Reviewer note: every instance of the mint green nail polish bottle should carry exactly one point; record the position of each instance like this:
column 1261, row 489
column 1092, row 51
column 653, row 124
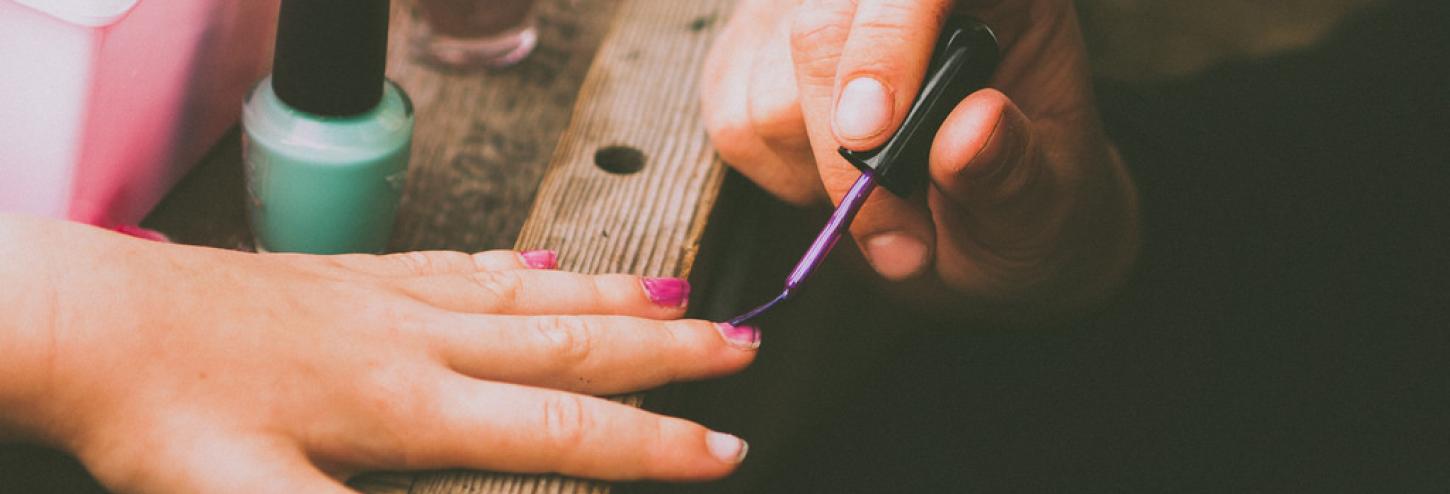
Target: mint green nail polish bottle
column 326, row 137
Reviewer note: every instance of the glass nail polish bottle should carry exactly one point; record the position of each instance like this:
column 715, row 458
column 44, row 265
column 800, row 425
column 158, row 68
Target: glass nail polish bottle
column 326, row 138
column 463, row 34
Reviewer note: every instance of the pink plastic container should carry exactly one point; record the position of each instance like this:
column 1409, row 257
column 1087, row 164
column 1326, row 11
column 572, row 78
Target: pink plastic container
column 104, row 104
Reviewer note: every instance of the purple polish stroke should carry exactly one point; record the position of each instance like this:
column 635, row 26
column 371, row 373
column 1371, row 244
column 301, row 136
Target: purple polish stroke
column 816, row 254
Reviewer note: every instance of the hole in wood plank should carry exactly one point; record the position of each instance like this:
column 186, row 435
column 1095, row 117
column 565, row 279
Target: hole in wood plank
column 619, row 160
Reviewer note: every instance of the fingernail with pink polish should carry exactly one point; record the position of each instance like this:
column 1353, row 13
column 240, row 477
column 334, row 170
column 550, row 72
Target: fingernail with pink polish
column 668, row 292
column 746, row 337
column 540, row 259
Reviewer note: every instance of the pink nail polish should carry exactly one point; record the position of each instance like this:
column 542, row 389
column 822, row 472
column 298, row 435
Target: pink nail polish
column 540, row 259
column 747, row 337
column 138, row 232
column 668, row 292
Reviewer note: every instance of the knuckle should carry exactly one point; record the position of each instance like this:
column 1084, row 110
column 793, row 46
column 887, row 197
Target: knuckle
column 1015, row 179
column 398, row 400
column 677, row 335
column 569, row 340
column 565, row 421
column 729, row 129
column 895, row 18
column 883, row 27
column 811, row 28
column 736, row 143
column 491, row 259
column 778, row 121
column 816, row 38
column 500, row 287
column 611, row 290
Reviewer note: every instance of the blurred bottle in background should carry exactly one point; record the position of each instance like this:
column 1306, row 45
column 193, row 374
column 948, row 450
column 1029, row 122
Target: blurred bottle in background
column 464, row 34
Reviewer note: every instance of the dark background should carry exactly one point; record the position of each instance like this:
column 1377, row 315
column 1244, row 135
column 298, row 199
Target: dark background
column 1284, row 330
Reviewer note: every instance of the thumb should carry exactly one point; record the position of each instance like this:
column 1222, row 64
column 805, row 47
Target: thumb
column 994, row 199
column 987, row 159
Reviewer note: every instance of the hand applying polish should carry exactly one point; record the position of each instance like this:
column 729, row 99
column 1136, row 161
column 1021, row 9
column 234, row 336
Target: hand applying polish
column 965, row 56
column 1022, row 210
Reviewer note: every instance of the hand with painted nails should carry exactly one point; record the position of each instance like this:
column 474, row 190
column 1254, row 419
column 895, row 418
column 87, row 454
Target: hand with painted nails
column 169, row 368
column 1029, row 211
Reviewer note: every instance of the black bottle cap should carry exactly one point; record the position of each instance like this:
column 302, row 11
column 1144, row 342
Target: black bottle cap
column 964, row 60
column 331, row 55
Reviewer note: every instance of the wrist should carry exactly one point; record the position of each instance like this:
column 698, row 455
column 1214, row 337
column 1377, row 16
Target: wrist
column 28, row 306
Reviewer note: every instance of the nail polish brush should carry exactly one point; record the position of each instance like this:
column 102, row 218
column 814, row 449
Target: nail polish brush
column 962, row 62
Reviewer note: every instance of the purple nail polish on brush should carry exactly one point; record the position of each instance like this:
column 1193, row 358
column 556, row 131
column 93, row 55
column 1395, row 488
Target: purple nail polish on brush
column 964, row 59
column 816, row 254
column 667, row 292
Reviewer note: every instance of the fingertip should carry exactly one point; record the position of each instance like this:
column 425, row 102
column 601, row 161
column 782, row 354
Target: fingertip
column 896, row 256
column 697, row 453
column 705, row 350
column 740, row 337
column 967, row 130
column 726, row 448
column 982, row 134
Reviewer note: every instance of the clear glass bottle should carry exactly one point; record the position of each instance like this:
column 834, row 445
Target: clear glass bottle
column 463, row 34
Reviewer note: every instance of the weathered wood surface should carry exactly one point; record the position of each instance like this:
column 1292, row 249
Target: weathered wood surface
column 640, row 94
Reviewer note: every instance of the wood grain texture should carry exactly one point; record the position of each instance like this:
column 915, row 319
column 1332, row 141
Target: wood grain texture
column 483, row 139
column 641, row 93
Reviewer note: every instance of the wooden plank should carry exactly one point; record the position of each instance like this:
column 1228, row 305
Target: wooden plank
column 483, row 139
column 641, row 93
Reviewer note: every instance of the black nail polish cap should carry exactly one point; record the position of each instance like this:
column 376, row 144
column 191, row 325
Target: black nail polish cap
column 331, row 55
column 963, row 62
